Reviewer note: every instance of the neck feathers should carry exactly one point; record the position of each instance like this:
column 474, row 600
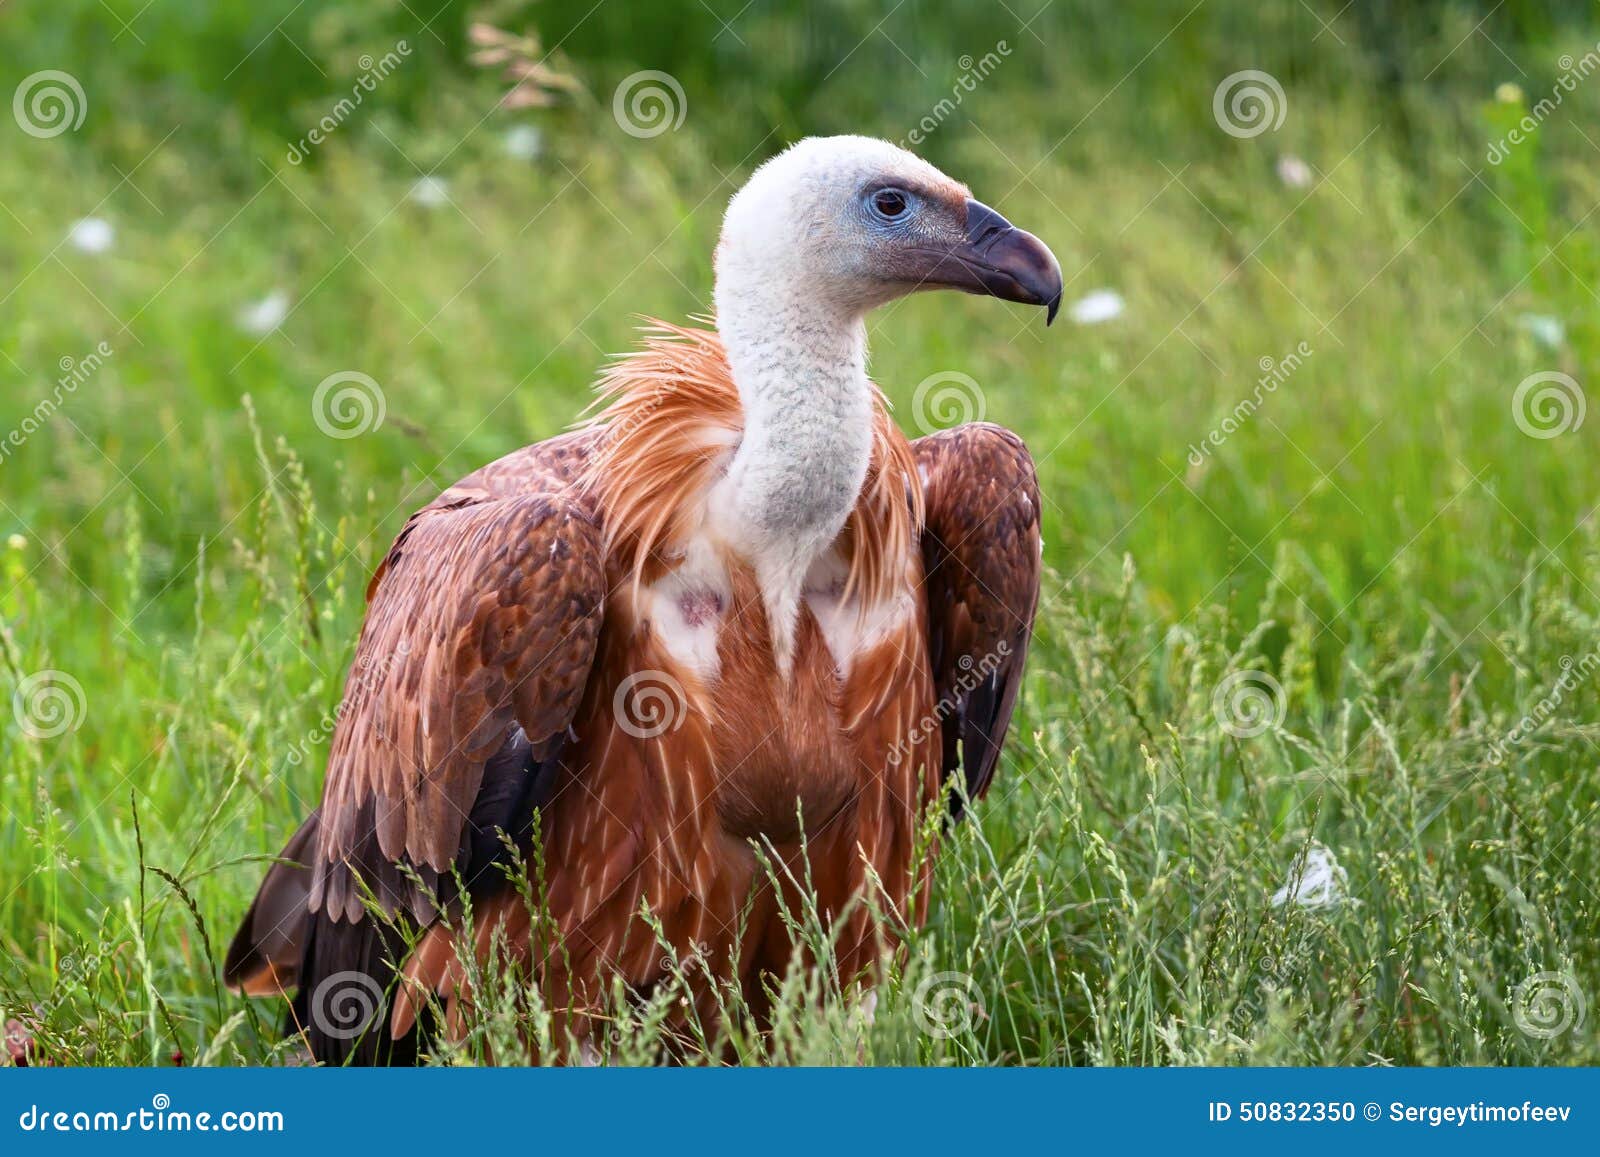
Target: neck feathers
column 774, row 470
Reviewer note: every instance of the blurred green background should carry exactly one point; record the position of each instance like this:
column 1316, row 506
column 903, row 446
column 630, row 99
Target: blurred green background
column 181, row 539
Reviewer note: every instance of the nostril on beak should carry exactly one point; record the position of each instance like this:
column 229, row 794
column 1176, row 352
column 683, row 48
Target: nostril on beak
column 984, row 225
column 1019, row 266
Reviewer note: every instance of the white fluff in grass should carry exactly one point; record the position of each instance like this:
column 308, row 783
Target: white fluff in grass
column 91, row 235
column 430, row 192
column 1322, row 883
column 1101, row 305
column 1294, row 172
column 1546, row 330
column 265, row 315
column 523, row 142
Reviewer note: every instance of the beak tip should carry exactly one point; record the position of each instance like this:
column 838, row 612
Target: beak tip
column 1003, row 261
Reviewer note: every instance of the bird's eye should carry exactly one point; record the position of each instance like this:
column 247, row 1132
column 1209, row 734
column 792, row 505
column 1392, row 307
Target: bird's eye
column 890, row 204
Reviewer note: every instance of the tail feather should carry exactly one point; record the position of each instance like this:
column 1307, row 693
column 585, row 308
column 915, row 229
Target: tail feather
column 344, row 972
column 344, row 975
column 348, row 991
column 264, row 958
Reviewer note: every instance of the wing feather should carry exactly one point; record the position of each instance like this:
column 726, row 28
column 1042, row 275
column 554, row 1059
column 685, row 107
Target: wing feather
column 980, row 549
column 481, row 629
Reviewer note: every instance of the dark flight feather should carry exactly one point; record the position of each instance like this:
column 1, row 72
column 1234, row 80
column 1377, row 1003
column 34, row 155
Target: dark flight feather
column 980, row 548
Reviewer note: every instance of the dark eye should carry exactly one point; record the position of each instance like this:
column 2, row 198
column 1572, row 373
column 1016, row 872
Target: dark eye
column 890, row 204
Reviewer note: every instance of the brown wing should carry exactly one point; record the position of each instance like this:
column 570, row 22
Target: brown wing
column 481, row 620
column 981, row 554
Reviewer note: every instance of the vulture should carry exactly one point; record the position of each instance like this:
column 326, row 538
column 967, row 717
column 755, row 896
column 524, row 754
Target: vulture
column 618, row 694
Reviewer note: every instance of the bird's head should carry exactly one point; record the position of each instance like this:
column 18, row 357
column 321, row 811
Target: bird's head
column 859, row 222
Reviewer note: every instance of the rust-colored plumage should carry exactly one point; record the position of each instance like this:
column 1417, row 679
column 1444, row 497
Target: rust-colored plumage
column 507, row 616
column 671, row 425
column 568, row 656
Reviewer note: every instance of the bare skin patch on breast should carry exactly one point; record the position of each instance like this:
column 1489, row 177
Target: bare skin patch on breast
column 686, row 609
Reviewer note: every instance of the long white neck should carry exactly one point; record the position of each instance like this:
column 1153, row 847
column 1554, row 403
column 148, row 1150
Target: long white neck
column 800, row 367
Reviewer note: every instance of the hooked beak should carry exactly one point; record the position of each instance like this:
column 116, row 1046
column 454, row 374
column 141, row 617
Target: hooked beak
column 1000, row 260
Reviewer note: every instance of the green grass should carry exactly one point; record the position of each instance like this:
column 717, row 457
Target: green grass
column 1379, row 537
